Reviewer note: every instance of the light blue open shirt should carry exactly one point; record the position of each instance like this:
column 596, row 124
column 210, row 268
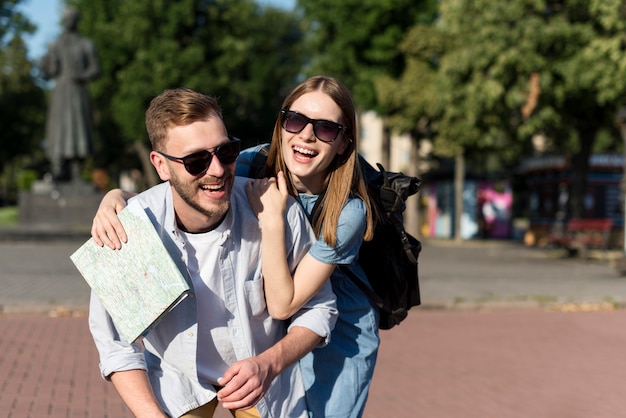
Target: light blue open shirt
column 171, row 347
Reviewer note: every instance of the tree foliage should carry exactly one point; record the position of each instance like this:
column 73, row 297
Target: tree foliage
column 357, row 40
column 235, row 50
column 490, row 75
column 13, row 23
column 22, row 102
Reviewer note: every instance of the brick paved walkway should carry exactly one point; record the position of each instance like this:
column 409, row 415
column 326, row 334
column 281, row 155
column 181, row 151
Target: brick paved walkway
column 503, row 364
column 443, row 364
column 461, row 361
column 50, row 369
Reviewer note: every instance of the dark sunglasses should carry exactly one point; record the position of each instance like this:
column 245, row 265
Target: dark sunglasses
column 198, row 162
column 324, row 130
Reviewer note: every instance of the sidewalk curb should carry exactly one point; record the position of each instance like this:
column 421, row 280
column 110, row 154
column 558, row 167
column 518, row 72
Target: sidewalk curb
column 42, row 233
column 521, row 305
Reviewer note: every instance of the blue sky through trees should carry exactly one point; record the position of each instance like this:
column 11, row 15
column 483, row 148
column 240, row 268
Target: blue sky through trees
column 45, row 14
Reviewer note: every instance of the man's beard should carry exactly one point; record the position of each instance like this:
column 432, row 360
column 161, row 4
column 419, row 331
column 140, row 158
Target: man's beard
column 188, row 192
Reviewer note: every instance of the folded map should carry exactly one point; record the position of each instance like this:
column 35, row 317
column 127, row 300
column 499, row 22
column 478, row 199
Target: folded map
column 137, row 284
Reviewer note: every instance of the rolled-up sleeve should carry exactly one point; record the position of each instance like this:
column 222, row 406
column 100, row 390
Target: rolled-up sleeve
column 115, row 354
column 319, row 314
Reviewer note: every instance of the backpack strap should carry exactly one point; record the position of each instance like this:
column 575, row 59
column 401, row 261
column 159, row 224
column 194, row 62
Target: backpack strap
column 258, row 163
column 406, row 244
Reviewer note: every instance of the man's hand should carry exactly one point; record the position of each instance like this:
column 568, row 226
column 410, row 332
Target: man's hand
column 245, row 383
column 106, row 227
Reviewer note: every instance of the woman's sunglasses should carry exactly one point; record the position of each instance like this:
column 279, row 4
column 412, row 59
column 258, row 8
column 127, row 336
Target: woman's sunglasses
column 324, row 130
column 198, row 162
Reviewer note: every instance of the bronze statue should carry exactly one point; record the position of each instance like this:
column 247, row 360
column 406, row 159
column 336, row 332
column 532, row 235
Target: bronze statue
column 72, row 60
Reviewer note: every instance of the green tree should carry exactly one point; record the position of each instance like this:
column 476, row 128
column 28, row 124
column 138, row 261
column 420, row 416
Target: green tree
column 233, row 49
column 357, row 40
column 13, row 23
column 22, row 102
column 488, row 76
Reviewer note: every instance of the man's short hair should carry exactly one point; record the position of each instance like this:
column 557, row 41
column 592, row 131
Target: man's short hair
column 177, row 107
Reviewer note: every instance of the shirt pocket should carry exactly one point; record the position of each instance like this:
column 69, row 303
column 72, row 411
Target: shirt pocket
column 255, row 297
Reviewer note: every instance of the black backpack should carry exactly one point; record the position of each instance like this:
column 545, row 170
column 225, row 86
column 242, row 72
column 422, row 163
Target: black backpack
column 389, row 260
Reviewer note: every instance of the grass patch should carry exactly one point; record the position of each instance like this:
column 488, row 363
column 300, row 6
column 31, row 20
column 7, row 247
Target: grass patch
column 544, row 299
column 611, row 300
column 8, row 215
column 489, row 297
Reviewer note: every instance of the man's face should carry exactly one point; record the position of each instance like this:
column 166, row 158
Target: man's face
column 202, row 200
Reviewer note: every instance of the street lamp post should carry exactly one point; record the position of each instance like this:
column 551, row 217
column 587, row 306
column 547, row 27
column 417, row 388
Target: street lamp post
column 620, row 119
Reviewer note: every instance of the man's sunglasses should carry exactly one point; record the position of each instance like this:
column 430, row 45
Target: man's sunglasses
column 198, row 162
column 324, row 130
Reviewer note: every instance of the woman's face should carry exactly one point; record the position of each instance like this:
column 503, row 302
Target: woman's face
column 307, row 157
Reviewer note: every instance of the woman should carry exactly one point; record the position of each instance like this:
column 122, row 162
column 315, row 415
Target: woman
column 313, row 157
column 314, row 145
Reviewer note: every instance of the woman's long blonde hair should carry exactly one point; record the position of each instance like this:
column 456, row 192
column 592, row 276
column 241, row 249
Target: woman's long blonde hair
column 344, row 178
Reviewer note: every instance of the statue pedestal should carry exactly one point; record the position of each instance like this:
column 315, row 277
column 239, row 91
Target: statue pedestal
column 69, row 205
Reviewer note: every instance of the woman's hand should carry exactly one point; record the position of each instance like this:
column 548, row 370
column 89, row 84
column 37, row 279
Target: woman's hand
column 106, row 228
column 268, row 197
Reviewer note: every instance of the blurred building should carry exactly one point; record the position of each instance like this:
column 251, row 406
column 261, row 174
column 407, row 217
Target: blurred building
column 546, row 189
column 399, row 156
column 527, row 204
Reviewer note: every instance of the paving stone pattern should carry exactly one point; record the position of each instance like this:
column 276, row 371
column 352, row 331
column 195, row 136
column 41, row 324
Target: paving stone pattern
column 504, row 331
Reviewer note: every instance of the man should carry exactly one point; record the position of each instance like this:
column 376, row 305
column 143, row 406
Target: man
column 220, row 343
